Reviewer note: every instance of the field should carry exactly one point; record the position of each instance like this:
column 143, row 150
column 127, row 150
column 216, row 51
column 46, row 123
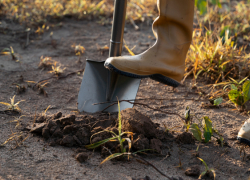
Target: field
column 43, row 50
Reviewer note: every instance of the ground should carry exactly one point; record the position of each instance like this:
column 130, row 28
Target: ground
column 36, row 159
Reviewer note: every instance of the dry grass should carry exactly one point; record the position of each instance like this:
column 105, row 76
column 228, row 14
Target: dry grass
column 218, row 51
column 37, row 12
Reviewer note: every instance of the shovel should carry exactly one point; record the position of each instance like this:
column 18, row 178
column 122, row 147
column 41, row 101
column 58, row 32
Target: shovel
column 100, row 88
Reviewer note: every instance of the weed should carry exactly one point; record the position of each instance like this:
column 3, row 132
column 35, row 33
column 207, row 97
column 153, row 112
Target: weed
column 240, row 95
column 17, row 137
column 40, row 86
column 57, row 70
column 17, row 120
column 114, row 138
column 45, row 62
column 10, row 51
column 79, row 50
column 19, row 88
column 207, row 170
column 208, row 131
column 12, row 106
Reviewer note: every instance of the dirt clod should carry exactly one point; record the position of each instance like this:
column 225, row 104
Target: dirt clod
column 37, row 128
column 156, row 144
column 81, row 157
column 193, row 171
column 68, row 120
column 46, row 133
column 83, row 135
column 141, row 143
column 185, row 138
column 68, row 141
column 136, row 122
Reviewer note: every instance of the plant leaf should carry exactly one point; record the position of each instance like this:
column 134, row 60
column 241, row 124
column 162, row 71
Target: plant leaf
column 194, row 128
column 218, row 101
column 6, row 104
column 112, row 156
column 208, row 129
column 204, row 163
column 246, row 91
column 236, row 97
column 95, row 145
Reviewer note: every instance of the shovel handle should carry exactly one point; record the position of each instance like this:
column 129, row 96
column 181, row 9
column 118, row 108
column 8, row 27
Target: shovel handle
column 118, row 28
column 116, row 43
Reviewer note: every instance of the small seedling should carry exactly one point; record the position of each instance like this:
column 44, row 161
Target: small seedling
column 10, row 51
column 207, row 170
column 188, row 118
column 57, row 70
column 208, row 131
column 240, row 97
column 12, row 106
column 17, row 120
column 117, row 137
column 40, row 86
column 17, row 137
column 102, row 49
column 114, row 138
column 79, row 50
column 46, row 62
column 20, row 88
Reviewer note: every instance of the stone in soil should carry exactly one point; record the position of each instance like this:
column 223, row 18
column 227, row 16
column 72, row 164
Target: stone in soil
column 193, row 171
column 185, row 138
column 81, row 157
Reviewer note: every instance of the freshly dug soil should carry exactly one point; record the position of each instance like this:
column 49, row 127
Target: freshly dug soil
column 66, row 131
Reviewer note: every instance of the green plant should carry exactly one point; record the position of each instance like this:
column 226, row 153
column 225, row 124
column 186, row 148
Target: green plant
column 206, row 126
column 202, row 5
column 115, row 137
column 10, row 51
column 207, row 170
column 12, row 105
column 239, row 95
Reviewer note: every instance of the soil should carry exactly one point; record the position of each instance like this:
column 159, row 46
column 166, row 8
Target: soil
column 53, row 145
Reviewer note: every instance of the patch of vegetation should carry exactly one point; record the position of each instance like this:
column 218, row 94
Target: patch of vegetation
column 12, row 106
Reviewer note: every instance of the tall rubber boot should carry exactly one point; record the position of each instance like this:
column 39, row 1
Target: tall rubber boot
column 165, row 60
column 244, row 133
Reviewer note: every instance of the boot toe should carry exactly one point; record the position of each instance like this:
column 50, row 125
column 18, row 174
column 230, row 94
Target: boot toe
column 244, row 133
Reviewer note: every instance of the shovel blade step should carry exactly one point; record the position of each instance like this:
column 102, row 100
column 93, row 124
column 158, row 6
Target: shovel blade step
column 94, row 85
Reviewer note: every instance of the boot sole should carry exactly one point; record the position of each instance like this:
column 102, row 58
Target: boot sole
column 157, row 77
column 243, row 140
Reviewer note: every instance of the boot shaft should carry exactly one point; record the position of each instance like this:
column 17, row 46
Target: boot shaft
column 175, row 21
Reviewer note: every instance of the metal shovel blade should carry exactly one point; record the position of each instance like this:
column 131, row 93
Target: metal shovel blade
column 94, row 86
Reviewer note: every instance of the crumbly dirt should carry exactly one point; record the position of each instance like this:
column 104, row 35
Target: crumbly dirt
column 55, row 150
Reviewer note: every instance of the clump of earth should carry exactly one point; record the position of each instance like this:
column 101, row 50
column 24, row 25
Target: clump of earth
column 80, row 130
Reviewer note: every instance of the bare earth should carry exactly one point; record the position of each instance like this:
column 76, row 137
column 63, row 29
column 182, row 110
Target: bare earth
column 35, row 159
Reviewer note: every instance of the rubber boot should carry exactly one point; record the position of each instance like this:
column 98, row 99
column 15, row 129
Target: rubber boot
column 165, row 60
column 244, row 133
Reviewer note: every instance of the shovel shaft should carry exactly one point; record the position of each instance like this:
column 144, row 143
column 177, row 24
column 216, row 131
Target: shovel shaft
column 116, row 42
column 118, row 28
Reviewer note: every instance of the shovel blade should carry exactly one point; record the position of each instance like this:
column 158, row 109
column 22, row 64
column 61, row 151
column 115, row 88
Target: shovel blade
column 94, row 85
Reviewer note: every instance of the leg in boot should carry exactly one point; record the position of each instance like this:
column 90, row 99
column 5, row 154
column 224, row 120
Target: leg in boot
column 244, row 133
column 165, row 60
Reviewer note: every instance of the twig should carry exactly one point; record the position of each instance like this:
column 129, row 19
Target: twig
column 191, row 99
column 58, row 77
column 140, row 158
column 147, row 107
